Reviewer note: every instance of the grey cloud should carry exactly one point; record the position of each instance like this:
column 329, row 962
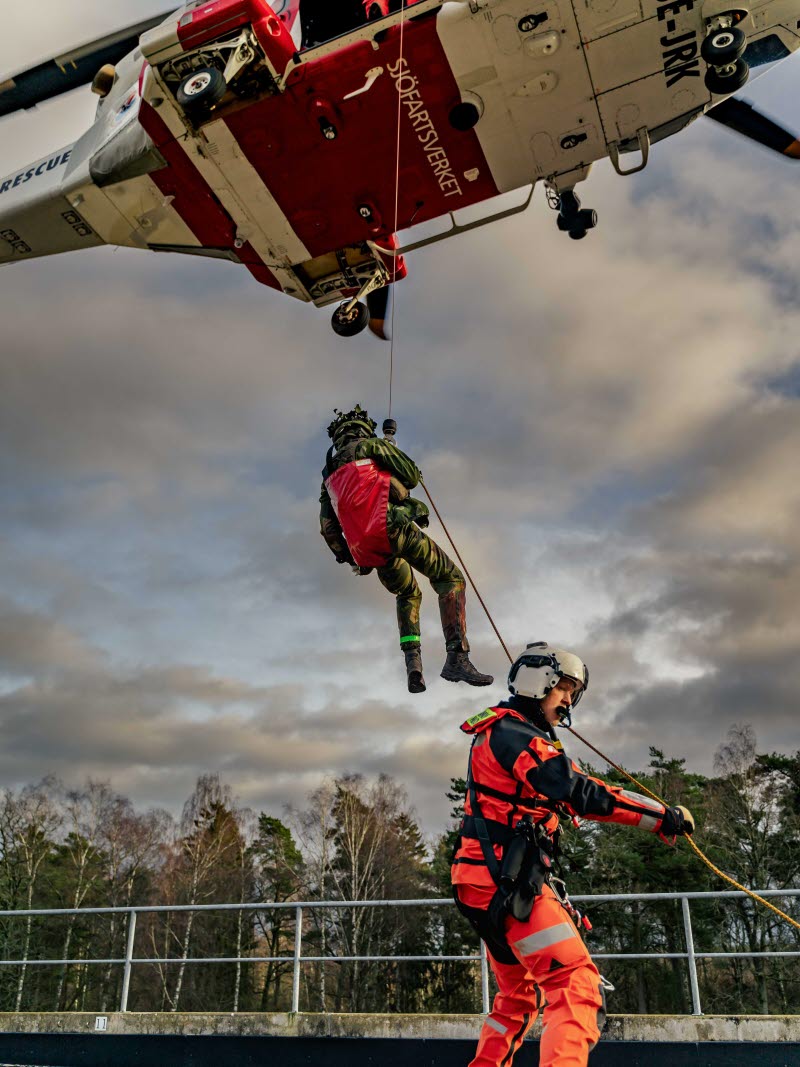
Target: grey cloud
column 596, row 422
column 31, row 643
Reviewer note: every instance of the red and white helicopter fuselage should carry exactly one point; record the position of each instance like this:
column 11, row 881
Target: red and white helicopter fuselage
column 304, row 163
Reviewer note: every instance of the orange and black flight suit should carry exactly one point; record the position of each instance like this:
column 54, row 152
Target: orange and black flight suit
column 518, row 768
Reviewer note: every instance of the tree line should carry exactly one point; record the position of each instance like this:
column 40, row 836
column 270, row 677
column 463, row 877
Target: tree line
column 359, row 840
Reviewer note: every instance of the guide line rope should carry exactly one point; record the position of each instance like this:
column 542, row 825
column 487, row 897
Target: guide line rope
column 621, row 770
column 639, row 785
column 466, row 571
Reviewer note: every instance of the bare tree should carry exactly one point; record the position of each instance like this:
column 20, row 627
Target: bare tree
column 244, row 868
column 131, row 846
column 315, row 828
column 209, row 838
column 29, row 824
column 746, row 817
column 346, row 834
column 87, row 811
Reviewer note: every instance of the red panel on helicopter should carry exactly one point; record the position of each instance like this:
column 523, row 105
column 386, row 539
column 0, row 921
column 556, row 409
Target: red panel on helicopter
column 214, row 20
column 328, row 152
column 194, row 200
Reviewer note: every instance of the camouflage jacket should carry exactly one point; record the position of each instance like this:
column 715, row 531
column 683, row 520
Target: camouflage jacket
column 402, row 509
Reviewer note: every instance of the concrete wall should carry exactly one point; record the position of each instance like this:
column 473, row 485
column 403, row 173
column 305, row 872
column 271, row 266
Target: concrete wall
column 629, row 1028
column 206, row 1040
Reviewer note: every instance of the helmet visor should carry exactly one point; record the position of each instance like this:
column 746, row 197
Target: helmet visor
column 577, row 692
column 573, row 668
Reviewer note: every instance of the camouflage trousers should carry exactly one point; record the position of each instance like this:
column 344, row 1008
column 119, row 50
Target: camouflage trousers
column 413, row 548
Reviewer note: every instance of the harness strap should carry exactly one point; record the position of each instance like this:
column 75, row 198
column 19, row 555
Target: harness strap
column 511, row 798
column 496, row 832
column 479, row 824
column 326, row 470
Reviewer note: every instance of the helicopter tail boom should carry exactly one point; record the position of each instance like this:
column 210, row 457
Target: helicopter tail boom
column 36, row 218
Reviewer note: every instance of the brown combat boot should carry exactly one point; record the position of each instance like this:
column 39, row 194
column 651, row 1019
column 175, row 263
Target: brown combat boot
column 458, row 668
column 416, row 683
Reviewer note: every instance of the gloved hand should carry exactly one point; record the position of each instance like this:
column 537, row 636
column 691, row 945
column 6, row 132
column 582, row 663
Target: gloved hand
column 361, row 570
column 345, row 558
column 677, row 822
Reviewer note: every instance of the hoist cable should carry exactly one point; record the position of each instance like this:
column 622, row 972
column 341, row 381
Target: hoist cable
column 396, row 208
column 639, row 785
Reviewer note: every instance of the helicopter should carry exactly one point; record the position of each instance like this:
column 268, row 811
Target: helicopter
column 299, row 137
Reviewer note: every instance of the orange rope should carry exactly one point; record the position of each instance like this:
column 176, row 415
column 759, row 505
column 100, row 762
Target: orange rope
column 697, row 850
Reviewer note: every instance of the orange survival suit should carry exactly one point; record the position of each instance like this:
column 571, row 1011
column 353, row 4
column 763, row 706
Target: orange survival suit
column 517, row 768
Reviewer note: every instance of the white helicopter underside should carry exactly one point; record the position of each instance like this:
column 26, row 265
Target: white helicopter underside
column 593, row 76
column 588, row 80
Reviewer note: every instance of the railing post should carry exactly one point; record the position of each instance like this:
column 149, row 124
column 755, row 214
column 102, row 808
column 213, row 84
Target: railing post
column 126, row 977
column 485, row 1005
column 687, row 929
column 298, row 945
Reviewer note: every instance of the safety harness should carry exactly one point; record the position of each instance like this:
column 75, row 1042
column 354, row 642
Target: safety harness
column 529, row 853
column 359, row 492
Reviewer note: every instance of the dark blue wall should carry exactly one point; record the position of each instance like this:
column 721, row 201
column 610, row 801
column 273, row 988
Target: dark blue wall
column 107, row 1050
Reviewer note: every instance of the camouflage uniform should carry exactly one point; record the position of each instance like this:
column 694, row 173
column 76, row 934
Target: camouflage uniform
column 410, row 546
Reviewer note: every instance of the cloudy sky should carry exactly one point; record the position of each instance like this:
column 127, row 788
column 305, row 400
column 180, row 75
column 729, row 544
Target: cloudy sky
column 610, row 428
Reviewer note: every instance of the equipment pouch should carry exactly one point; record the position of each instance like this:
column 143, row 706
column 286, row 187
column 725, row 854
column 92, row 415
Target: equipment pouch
column 527, row 862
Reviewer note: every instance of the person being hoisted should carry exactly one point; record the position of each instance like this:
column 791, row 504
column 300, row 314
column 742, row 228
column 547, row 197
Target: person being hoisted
column 369, row 520
column 519, row 781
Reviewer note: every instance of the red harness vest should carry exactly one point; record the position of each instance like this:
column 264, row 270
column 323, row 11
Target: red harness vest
column 359, row 492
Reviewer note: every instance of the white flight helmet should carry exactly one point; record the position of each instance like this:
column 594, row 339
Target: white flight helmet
column 536, row 670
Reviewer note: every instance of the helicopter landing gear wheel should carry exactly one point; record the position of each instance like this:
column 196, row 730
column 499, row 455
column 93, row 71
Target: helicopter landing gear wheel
column 722, row 81
column 723, row 51
column 201, row 91
column 723, row 47
column 348, row 323
column 572, row 218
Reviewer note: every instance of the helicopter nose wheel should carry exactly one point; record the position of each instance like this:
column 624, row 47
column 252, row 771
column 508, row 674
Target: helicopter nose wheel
column 348, row 321
column 572, row 218
column 722, row 50
column 201, row 91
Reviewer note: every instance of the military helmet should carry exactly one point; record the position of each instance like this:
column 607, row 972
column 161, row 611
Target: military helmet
column 355, row 423
column 540, row 667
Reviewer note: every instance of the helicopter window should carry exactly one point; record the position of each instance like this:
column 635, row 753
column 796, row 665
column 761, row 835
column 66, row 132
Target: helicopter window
column 322, row 20
column 768, row 50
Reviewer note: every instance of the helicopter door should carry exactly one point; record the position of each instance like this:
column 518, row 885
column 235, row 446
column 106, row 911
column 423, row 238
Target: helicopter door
column 608, row 16
column 648, row 75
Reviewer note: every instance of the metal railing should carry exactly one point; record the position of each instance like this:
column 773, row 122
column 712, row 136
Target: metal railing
column 297, row 959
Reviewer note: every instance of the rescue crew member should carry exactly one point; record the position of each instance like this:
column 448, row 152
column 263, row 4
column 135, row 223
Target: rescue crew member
column 519, row 781
column 369, row 520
